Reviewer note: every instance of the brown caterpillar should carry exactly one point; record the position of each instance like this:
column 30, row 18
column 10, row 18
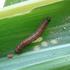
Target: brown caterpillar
column 36, row 35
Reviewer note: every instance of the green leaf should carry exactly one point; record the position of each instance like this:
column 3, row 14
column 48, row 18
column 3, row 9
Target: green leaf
column 10, row 2
column 16, row 28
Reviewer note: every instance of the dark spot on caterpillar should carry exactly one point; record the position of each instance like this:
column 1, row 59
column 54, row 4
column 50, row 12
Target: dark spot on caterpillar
column 36, row 35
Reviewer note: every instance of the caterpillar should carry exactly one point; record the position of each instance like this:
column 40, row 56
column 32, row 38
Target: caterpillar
column 33, row 37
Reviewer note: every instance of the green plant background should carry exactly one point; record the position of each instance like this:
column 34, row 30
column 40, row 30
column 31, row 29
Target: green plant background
column 15, row 29
column 10, row 2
